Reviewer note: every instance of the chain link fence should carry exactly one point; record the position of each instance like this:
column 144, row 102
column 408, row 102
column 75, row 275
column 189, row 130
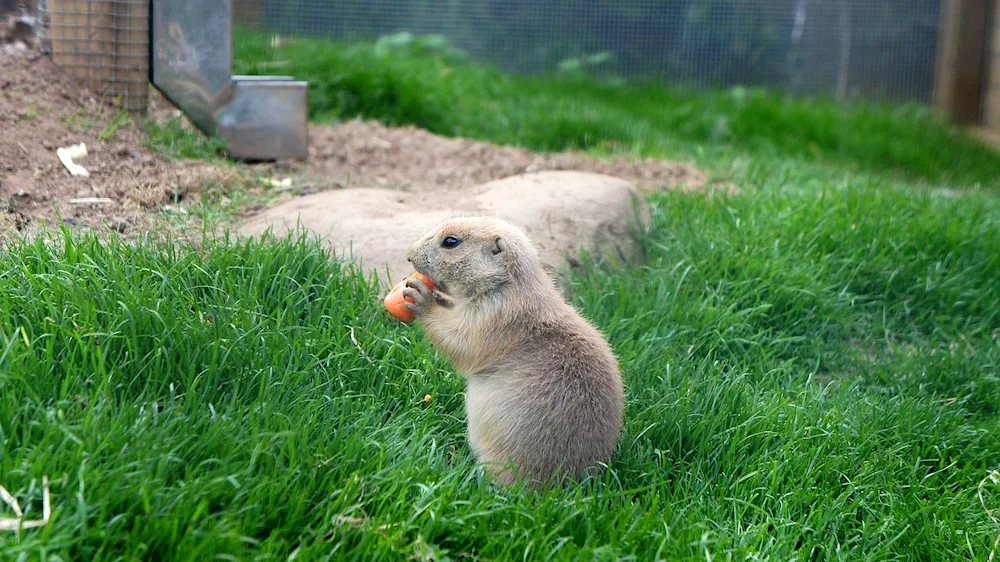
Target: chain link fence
column 102, row 43
column 881, row 50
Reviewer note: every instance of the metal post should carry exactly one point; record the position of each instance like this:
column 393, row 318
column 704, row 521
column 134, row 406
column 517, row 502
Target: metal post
column 261, row 117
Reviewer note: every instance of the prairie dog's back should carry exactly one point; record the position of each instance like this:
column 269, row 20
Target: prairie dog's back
column 544, row 390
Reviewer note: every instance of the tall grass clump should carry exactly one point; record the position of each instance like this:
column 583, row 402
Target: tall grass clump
column 449, row 95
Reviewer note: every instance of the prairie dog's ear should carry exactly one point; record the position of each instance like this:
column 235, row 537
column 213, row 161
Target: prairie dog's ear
column 499, row 245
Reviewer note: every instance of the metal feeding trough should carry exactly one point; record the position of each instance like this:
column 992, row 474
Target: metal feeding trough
column 260, row 117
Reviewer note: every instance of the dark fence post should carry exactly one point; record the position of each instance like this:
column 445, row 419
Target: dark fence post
column 959, row 74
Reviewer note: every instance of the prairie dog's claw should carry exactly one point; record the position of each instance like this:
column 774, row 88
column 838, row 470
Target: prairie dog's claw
column 421, row 299
column 420, row 286
column 423, row 296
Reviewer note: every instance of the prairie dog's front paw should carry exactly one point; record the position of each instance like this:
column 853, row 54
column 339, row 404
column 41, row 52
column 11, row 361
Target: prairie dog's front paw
column 423, row 297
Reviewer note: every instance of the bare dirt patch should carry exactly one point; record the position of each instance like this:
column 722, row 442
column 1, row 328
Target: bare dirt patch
column 369, row 190
column 42, row 109
column 367, row 153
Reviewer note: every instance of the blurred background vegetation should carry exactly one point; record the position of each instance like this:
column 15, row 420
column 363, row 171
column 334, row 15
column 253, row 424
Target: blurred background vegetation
column 875, row 49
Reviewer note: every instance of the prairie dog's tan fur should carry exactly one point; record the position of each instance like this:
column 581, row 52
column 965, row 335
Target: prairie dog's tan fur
column 544, row 395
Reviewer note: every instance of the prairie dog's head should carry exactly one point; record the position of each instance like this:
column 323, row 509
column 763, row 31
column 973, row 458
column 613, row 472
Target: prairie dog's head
column 474, row 256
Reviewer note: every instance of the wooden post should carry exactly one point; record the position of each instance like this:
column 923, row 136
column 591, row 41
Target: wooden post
column 131, row 52
column 105, row 45
column 991, row 111
column 961, row 54
column 82, row 34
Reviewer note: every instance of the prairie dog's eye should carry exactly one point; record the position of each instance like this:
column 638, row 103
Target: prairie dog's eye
column 450, row 242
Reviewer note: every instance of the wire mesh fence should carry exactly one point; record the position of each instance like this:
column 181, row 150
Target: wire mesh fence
column 102, row 43
column 876, row 49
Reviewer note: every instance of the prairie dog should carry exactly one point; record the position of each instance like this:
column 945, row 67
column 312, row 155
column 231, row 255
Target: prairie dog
column 544, row 395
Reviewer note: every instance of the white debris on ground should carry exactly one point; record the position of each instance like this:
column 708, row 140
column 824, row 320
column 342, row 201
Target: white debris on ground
column 69, row 153
column 17, row 523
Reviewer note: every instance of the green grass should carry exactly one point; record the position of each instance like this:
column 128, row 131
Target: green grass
column 176, row 141
column 452, row 97
column 811, row 376
column 813, row 365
